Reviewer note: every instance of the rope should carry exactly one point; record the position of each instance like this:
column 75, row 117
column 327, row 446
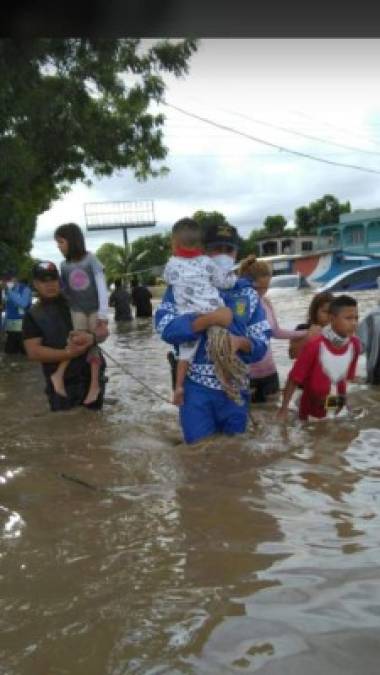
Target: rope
column 231, row 372
column 232, row 366
column 137, row 379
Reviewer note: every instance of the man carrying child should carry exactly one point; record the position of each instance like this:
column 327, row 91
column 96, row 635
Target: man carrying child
column 49, row 339
column 195, row 279
column 206, row 408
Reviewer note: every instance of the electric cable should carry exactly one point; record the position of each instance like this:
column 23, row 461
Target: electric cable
column 281, row 148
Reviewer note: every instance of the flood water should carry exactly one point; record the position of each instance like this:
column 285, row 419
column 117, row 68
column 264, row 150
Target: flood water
column 256, row 554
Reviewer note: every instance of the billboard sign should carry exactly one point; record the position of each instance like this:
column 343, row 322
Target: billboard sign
column 118, row 215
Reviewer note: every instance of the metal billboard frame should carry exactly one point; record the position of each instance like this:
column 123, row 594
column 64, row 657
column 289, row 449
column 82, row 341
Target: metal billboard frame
column 119, row 215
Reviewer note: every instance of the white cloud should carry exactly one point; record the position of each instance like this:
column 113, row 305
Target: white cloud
column 324, row 88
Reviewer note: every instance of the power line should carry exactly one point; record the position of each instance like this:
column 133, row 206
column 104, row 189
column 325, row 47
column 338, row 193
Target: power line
column 269, row 143
column 333, row 126
column 300, row 133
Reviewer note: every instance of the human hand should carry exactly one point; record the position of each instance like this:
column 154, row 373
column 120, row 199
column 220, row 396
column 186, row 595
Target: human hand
column 223, row 317
column 80, row 338
column 74, row 349
column 239, row 343
column 313, row 330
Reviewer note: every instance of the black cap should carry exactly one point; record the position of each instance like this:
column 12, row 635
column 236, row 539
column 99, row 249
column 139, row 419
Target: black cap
column 45, row 270
column 221, row 233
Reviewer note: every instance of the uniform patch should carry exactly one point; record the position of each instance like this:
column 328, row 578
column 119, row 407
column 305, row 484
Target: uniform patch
column 240, row 307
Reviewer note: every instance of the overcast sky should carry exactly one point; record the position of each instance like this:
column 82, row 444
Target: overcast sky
column 327, row 89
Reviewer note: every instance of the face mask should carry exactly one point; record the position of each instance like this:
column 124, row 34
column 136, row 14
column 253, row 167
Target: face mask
column 224, row 261
column 10, row 285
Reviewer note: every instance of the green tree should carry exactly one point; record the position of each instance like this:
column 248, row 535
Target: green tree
column 249, row 245
column 113, row 259
column 149, row 254
column 75, row 108
column 321, row 212
column 275, row 225
column 205, row 218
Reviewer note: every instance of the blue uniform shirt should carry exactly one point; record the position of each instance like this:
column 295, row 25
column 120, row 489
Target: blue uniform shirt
column 249, row 321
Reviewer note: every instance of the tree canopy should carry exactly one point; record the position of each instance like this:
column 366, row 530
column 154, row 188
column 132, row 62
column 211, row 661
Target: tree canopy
column 275, row 225
column 72, row 108
column 323, row 211
column 146, row 256
column 205, row 218
column 150, row 253
column 113, row 259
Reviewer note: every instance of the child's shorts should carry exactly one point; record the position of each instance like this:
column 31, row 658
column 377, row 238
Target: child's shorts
column 82, row 321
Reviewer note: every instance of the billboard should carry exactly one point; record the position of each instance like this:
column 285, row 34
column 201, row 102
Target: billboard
column 118, row 215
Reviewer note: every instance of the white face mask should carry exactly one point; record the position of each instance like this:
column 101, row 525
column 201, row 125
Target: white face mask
column 224, row 261
column 10, row 285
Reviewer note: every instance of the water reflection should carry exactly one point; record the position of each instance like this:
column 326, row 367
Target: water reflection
column 12, row 523
column 126, row 552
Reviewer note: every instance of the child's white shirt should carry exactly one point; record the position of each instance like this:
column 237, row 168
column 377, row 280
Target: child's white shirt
column 195, row 283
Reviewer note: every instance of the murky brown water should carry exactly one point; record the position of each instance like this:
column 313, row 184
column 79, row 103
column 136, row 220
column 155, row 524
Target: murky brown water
column 252, row 555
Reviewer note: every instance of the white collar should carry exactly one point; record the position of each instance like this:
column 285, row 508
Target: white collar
column 333, row 337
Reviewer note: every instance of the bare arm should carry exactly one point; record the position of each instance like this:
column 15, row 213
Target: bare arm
column 277, row 331
column 241, row 344
column 222, row 317
column 38, row 352
column 219, row 317
column 88, row 338
column 295, row 347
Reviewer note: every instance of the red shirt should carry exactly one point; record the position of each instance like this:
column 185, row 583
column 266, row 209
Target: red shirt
column 319, row 365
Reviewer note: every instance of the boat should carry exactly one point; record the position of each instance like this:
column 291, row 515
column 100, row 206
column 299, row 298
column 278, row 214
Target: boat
column 285, row 281
column 353, row 242
column 359, row 279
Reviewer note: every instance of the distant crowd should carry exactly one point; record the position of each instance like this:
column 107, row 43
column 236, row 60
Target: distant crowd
column 215, row 314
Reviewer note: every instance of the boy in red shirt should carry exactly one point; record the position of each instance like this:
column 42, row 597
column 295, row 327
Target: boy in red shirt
column 328, row 359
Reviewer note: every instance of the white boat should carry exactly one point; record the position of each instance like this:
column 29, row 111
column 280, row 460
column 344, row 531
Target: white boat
column 358, row 279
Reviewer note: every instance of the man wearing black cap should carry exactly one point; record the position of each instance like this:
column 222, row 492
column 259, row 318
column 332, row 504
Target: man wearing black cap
column 49, row 339
column 221, row 236
column 207, row 409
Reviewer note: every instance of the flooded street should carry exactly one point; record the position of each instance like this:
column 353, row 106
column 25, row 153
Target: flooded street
column 124, row 551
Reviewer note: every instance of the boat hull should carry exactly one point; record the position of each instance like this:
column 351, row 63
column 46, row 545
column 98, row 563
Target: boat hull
column 318, row 268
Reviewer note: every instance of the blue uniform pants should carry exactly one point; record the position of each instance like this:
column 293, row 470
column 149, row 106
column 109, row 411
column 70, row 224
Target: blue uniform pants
column 208, row 411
